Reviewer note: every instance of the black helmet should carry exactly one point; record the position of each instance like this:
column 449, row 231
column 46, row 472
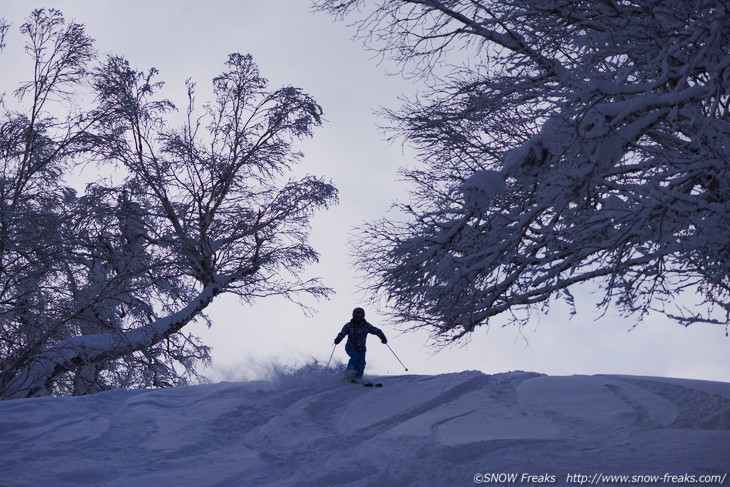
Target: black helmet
column 358, row 313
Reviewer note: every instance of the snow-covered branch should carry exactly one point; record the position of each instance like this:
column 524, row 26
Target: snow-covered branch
column 560, row 142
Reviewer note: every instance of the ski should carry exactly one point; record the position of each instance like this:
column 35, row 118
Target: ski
column 366, row 384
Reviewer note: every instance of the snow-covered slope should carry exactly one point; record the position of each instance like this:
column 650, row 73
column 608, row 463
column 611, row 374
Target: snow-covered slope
column 310, row 429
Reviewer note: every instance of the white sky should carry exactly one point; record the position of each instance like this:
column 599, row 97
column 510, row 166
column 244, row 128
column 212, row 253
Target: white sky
column 191, row 38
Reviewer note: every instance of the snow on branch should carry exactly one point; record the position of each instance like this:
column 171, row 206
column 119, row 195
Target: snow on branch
column 559, row 142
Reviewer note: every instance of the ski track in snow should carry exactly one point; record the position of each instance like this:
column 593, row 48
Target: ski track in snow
column 311, row 429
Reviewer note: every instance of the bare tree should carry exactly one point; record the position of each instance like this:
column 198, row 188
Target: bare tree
column 99, row 295
column 561, row 142
column 35, row 149
column 4, row 26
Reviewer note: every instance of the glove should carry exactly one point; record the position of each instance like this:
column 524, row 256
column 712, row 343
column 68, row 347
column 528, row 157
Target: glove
column 337, row 342
column 384, row 341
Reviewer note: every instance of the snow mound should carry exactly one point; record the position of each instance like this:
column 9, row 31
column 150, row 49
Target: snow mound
column 308, row 428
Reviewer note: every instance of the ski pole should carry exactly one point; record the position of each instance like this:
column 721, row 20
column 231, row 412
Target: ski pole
column 333, row 352
column 396, row 357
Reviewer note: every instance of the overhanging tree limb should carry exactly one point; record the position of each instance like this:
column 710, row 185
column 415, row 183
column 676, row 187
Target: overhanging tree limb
column 567, row 142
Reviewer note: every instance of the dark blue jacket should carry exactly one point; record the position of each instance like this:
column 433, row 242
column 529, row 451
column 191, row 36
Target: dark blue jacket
column 357, row 333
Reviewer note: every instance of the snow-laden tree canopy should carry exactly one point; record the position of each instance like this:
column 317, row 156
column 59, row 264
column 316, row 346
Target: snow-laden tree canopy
column 96, row 289
column 561, row 142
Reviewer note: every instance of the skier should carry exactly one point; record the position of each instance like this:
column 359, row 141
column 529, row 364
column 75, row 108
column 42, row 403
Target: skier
column 357, row 331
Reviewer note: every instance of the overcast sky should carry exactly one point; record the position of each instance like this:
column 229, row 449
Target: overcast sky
column 292, row 46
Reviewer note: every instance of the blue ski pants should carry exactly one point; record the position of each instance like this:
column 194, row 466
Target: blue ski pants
column 357, row 362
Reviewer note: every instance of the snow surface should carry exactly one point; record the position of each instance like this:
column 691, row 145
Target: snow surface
column 308, row 428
